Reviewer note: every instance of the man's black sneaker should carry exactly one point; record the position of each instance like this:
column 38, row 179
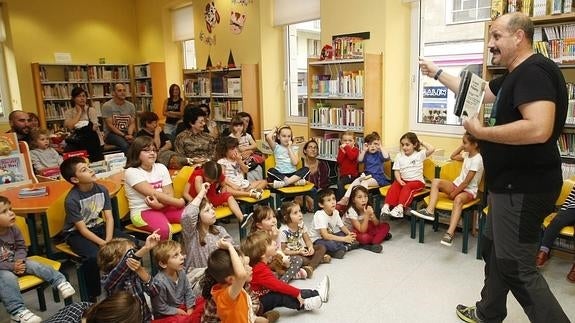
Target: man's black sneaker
column 467, row 313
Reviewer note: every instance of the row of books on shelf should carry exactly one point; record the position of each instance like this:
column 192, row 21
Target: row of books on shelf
column 218, row 86
column 58, row 91
column 142, row 70
column 348, row 47
column 111, row 163
column 144, row 87
column 533, row 8
column 345, row 117
column 345, row 84
column 71, row 74
column 143, row 104
column 227, row 109
column 197, row 87
column 570, row 120
column 568, row 170
column 566, row 143
column 556, row 42
column 105, row 90
column 328, row 145
column 108, row 73
column 564, row 244
column 58, row 110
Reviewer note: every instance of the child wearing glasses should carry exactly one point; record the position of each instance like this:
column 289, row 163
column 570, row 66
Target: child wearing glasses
column 149, row 190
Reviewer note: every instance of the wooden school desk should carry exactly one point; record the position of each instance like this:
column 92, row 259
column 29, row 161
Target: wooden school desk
column 29, row 207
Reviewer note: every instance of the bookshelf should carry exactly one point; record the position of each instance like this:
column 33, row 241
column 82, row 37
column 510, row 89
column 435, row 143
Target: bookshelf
column 53, row 84
column 227, row 91
column 150, row 89
column 549, row 40
column 344, row 95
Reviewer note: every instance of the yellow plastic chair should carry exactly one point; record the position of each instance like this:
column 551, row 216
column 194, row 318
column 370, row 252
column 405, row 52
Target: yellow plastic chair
column 565, row 190
column 450, row 171
column 289, row 192
column 55, row 219
column 429, row 173
column 30, row 282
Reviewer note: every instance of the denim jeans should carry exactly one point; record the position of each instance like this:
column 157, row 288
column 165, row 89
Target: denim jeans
column 10, row 291
column 118, row 141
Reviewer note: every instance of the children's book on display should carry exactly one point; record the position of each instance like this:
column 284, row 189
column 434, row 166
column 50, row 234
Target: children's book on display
column 470, row 95
column 36, row 191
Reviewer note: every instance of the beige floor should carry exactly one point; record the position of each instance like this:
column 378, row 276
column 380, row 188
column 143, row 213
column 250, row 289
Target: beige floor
column 408, row 282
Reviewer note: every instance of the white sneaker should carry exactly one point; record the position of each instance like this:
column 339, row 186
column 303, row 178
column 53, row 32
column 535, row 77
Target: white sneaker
column 397, row 212
column 384, row 210
column 279, row 184
column 323, row 289
column 26, row 316
column 310, row 304
column 300, row 182
column 66, row 290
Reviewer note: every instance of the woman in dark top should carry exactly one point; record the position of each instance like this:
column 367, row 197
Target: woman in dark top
column 173, row 109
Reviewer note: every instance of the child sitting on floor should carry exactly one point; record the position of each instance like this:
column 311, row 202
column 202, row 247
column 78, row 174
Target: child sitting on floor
column 175, row 300
column 13, row 263
column 294, row 237
column 122, row 269
column 360, row 218
column 223, row 285
column 328, row 228
column 265, row 219
column 260, row 248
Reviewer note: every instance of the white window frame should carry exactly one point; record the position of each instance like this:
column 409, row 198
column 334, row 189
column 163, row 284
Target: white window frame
column 415, row 96
column 291, row 81
column 449, row 13
column 185, row 57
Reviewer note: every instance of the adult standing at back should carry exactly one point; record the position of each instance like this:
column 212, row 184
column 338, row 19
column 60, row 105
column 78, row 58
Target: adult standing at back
column 119, row 119
column 522, row 170
column 173, row 110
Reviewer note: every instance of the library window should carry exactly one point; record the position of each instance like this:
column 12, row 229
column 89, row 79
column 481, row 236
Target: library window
column 460, row 11
column 453, row 47
column 302, row 41
column 4, row 92
column 189, row 54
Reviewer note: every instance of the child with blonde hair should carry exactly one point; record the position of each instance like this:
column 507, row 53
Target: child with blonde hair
column 360, row 218
column 260, row 248
column 462, row 190
column 224, row 284
column 264, row 219
column 13, row 263
column 122, row 269
column 408, row 171
column 234, row 169
column 212, row 172
column 285, row 172
column 346, row 161
column 294, row 237
column 42, row 155
column 175, row 300
column 373, row 157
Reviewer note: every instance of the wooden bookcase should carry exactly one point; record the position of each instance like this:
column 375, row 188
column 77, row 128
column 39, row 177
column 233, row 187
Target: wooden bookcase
column 150, row 89
column 53, row 84
column 227, row 91
column 565, row 62
column 344, row 95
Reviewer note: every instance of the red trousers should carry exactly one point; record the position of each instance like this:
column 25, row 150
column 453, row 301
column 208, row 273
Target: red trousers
column 403, row 195
column 373, row 235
